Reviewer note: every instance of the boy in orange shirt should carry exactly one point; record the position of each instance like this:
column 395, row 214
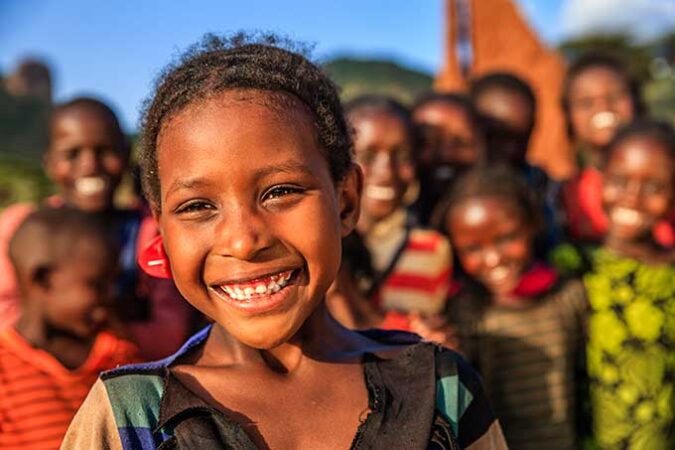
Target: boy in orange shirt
column 49, row 360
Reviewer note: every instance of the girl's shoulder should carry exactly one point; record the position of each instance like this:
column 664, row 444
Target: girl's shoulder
column 457, row 394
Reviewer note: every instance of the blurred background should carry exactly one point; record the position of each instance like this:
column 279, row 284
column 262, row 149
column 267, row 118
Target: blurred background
column 53, row 50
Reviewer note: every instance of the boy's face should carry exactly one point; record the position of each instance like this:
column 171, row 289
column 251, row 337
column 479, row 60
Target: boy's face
column 86, row 158
column 448, row 137
column 492, row 241
column 78, row 290
column 638, row 187
column 383, row 149
column 510, row 117
column 251, row 219
column 599, row 103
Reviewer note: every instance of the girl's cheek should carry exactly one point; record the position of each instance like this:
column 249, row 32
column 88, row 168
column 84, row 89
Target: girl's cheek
column 470, row 263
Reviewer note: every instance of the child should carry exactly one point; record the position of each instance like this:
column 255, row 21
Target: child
column 516, row 320
column 412, row 265
column 451, row 141
column 49, row 360
column 508, row 107
column 248, row 169
column 86, row 158
column 599, row 95
column 632, row 295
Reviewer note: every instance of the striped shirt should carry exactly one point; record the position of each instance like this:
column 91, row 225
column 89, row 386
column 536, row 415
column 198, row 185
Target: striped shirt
column 39, row 396
column 528, row 357
column 414, row 266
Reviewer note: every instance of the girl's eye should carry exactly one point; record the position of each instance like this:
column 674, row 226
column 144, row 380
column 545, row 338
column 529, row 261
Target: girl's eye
column 507, row 238
column 281, row 191
column 194, row 207
column 72, row 154
column 618, row 181
column 653, row 187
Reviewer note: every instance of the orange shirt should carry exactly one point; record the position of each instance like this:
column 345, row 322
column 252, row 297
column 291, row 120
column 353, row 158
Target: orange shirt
column 39, row 397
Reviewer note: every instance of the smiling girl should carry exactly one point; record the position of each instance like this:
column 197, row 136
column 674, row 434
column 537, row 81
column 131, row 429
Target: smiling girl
column 247, row 165
column 632, row 295
column 517, row 321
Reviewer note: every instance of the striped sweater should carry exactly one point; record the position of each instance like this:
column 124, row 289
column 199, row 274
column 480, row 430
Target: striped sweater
column 39, row 397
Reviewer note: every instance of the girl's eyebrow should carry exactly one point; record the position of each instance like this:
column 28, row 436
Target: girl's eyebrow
column 289, row 167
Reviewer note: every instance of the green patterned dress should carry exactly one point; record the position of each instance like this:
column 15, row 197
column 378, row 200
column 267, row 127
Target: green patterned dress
column 631, row 352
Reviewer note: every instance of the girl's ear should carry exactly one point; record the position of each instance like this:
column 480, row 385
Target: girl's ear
column 349, row 199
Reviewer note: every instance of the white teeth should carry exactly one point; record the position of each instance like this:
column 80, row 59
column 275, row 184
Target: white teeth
column 276, row 283
column 499, row 273
column 604, row 119
column 380, row 192
column 90, row 185
column 626, row 216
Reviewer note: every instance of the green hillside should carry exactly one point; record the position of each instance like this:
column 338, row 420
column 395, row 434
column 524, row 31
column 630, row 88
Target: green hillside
column 360, row 76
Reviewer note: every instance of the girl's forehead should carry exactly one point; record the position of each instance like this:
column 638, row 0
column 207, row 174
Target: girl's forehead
column 479, row 209
column 639, row 151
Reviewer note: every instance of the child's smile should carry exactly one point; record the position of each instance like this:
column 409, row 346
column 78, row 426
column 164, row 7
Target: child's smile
column 250, row 217
column 85, row 159
column 638, row 188
column 492, row 240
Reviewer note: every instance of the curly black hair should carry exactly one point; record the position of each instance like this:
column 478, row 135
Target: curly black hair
column 244, row 61
column 490, row 180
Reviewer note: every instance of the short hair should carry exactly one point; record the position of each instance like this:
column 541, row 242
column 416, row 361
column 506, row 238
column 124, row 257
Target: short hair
column 47, row 236
column 461, row 101
column 242, row 61
column 489, row 180
column 91, row 104
column 592, row 60
column 508, row 82
column 658, row 130
column 375, row 104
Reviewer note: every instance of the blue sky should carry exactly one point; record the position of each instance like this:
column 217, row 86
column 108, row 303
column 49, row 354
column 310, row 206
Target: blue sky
column 114, row 49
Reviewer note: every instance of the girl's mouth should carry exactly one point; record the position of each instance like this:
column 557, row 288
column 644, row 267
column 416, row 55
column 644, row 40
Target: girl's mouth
column 498, row 274
column 627, row 217
column 604, row 119
column 385, row 193
column 258, row 294
column 87, row 186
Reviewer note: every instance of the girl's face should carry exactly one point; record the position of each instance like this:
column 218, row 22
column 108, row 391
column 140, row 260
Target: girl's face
column 638, row 187
column 449, row 137
column 250, row 216
column 77, row 294
column 600, row 102
column 492, row 240
column 86, row 159
column 383, row 150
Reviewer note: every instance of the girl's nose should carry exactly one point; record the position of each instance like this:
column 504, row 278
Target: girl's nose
column 383, row 167
column 491, row 258
column 88, row 161
column 242, row 235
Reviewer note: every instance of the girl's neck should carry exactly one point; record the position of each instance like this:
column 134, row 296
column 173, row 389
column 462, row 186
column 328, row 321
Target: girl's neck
column 590, row 157
column 644, row 250
column 321, row 338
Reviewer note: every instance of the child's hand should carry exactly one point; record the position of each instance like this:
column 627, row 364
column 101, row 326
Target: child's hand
column 435, row 329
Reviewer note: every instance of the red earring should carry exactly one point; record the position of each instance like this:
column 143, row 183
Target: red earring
column 153, row 260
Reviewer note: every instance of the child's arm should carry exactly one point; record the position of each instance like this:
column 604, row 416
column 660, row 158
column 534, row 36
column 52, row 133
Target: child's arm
column 94, row 424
